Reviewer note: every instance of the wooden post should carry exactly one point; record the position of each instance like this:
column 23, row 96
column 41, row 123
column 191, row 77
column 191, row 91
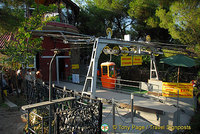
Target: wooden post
column 178, row 74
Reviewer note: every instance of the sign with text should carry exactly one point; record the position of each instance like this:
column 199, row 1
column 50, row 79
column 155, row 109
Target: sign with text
column 137, row 60
column 126, row 60
column 75, row 66
column 171, row 90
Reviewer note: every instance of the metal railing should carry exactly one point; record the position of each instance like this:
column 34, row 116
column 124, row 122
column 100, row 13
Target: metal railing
column 85, row 113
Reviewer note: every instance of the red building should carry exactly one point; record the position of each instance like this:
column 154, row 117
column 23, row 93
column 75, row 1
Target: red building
column 61, row 66
column 53, row 38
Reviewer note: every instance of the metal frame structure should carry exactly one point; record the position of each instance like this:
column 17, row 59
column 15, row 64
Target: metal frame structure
column 99, row 44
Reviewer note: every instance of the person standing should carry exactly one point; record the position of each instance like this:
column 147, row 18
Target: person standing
column 28, row 75
column 2, row 86
column 19, row 78
column 39, row 76
column 32, row 74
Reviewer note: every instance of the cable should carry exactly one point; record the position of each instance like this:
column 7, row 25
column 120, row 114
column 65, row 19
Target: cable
column 124, row 121
column 107, row 115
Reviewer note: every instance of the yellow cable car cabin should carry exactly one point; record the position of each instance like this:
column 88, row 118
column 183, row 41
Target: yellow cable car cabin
column 108, row 75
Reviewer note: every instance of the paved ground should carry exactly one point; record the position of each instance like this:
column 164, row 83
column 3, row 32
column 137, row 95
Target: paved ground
column 123, row 121
column 10, row 121
column 140, row 101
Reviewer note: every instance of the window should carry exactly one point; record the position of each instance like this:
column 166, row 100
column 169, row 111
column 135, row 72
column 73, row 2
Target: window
column 105, row 71
column 111, row 71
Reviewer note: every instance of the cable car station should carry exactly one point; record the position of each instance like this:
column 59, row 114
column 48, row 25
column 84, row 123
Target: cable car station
column 108, row 72
column 98, row 47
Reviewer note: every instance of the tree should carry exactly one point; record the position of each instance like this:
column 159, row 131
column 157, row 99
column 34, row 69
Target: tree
column 92, row 21
column 11, row 16
column 98, row 15
column 24, row 45
column 182, row 20
column 146, row 22
column 120, row 20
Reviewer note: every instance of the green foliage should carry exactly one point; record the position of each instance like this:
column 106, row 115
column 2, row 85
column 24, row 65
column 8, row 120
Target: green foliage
column 194, row 122
column 24, row 45
column 145, row 60
column 92, row 21
column 98, row 15
column 164, row 20
column 145, row 20
column 183, row 22
column 142, row 9
column 10, row 19
column 168, row 53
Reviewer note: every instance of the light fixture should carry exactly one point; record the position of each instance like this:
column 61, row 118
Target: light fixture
column 65, row 41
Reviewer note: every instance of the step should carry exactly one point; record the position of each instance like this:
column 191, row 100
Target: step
column 10, row 104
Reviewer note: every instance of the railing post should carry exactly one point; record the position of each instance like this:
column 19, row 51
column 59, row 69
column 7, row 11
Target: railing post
column 50, row 89
column 100, row 117
column 178, row 114
column 57, row 123
column 132, row 101
column 42, row 125
column 113, row 111
column 28, row 122
column 140, row 86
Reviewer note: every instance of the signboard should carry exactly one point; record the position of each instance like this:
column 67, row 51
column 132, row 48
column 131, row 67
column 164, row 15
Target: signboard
column 137, row 60
column 75, row 66
column 126, row 60
column 171, row 90
column 75, row 78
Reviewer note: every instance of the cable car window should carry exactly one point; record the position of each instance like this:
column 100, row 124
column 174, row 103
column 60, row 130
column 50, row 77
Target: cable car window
column 111, row 71
column 105, row 71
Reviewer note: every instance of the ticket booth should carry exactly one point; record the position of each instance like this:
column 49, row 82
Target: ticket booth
column 108, row 75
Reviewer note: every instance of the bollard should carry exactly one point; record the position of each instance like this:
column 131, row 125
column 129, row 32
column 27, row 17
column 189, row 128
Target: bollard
column 132, row 98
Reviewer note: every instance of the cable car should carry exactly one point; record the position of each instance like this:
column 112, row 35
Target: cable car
column 108, row 75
